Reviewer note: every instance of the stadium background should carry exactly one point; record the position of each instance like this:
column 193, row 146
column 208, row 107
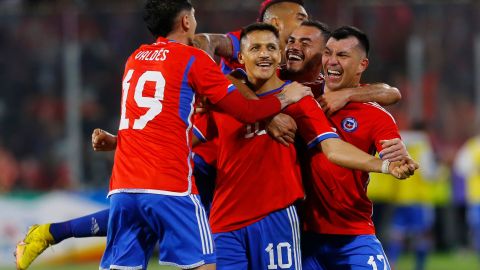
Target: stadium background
column 60, row 70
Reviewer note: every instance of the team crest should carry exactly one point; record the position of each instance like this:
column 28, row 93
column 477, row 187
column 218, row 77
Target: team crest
column 349, row 124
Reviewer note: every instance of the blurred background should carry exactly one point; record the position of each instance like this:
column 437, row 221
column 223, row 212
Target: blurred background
column 61, row 64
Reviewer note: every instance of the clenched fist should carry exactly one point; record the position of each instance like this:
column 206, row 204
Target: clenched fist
column 103, row 141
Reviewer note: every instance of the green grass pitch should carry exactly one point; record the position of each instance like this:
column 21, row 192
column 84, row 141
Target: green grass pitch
column 438, row 261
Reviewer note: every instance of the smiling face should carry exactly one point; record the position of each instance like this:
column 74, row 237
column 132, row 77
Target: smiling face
column 343, row 62
column 304, row 50
column 260, row 53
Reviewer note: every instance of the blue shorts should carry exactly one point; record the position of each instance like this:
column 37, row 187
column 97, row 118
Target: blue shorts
column 413, row 218
column 138, row 221
column 343, row 252
column 270, row 243
column 473, row 219
column 473, row 216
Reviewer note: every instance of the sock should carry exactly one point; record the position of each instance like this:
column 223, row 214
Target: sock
column 394, row 250
column 476, row 240
column 90, row 225
column 422, row 249
column 421, row 253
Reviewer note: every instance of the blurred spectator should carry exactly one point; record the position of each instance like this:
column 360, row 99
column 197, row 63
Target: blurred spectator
column 10, row 170
column 412, row 200
column 467, row 166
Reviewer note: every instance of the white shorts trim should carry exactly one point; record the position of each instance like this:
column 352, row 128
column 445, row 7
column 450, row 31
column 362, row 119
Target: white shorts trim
column 139, row 267
column 190, row 266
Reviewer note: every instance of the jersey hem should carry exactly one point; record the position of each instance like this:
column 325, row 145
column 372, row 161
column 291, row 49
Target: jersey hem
column 344, row 233
column 149, row 191
column 231, row 228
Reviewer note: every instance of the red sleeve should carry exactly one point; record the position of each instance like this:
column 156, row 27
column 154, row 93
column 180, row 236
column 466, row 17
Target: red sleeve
column 385, row 127
column 311, row 121
column 249, row 111
column 207, row 79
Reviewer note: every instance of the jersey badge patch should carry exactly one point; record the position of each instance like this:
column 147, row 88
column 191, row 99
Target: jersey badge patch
column 349, row 124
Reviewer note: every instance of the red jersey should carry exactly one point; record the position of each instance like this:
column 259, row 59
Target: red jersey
column 153, row 152
column 230, row 64
column 337, row 201
column 255, row 174
column 208, row 152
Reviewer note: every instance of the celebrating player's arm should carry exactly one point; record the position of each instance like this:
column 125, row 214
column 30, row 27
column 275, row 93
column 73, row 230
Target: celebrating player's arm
column 214, row 44
column 349, row 156
column 393, row 150
column 380, row 93
column 103, row 141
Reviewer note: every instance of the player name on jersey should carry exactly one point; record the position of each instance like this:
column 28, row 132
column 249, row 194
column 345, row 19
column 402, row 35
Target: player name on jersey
column 154, row 55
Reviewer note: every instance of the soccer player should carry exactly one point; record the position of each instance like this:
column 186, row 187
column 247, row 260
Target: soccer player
column 152, row 167
column 339, row 231
column 39, row 237
column 253, row 219
column 151, row 190
column 467, row 164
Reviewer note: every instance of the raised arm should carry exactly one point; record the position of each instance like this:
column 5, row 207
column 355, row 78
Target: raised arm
column 214, row 44
column 381, row 93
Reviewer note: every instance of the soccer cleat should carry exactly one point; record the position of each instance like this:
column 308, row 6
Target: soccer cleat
column 38, row 238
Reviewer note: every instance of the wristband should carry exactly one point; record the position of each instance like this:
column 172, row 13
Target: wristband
column 385, row 165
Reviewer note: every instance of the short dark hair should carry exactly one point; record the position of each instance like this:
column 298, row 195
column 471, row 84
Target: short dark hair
column 258, row 26
column 323, row 27
column 160, row 15
column 351, row 31
column 268, row 3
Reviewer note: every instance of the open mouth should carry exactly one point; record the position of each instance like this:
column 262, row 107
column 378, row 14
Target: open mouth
column 334, row 74
column 264, row 64
column 294, row 56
